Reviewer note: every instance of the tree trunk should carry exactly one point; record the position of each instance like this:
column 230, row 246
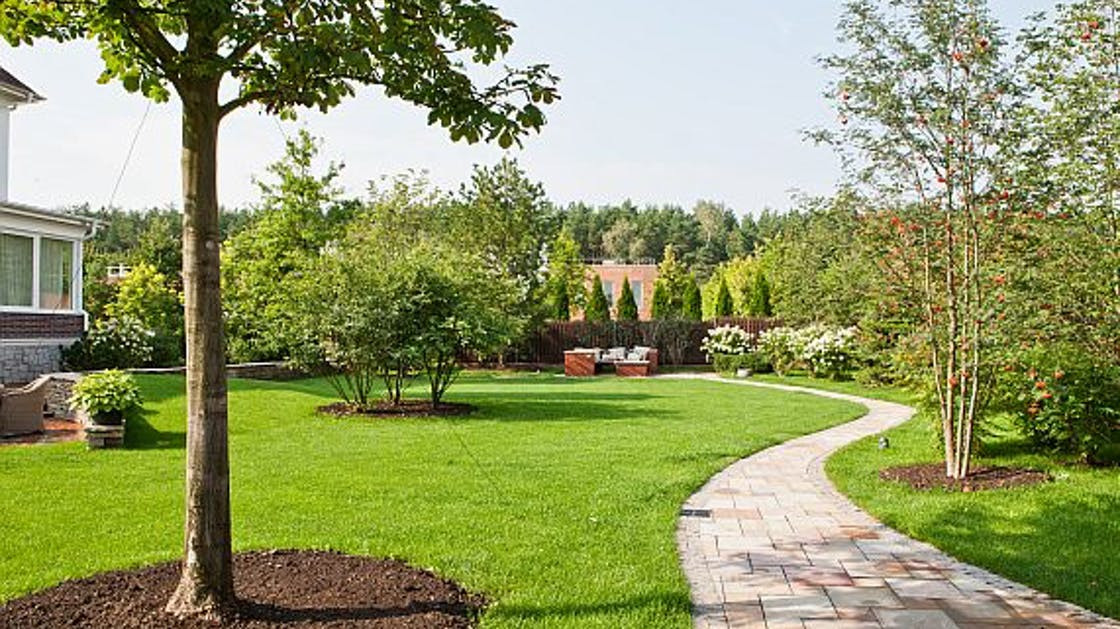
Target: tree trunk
column 206, row 585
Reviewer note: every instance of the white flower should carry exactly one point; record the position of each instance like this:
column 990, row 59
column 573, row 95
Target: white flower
column 727, row 339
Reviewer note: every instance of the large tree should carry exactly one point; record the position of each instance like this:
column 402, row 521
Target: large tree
column 281, row 54
column 299, row 212
column 506, row 217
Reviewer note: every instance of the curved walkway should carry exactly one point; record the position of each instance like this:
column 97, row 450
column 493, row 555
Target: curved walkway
column 769, row 542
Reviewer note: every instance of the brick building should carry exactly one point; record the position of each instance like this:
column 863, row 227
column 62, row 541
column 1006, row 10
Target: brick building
column 641, row 277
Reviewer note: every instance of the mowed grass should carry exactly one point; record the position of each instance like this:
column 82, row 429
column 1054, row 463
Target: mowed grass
column 1062, row 537
column 557, row 499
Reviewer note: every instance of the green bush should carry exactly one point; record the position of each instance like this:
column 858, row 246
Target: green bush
column 729, row 364
column 106, row 396
column 146, row 296
column 1066, row 400
column 366, row 314
column 113, row 344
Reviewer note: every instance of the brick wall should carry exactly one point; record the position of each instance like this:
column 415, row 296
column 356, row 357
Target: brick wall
column 642, row 278
column 22, row 326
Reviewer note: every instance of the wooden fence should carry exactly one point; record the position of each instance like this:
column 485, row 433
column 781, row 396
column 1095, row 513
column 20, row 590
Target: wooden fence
column 677, row 341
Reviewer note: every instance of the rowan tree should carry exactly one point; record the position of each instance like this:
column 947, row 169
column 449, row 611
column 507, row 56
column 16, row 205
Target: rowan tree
column 924, row 101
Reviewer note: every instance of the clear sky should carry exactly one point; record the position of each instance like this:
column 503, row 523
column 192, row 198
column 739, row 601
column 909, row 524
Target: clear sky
column 663, row 102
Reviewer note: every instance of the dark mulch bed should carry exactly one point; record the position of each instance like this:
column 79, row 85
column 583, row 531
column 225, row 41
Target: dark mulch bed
column 932, row 476
column 407, row 408
column 277, row 588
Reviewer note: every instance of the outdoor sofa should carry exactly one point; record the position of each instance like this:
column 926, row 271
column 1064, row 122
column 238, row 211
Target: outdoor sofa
column 637, row 361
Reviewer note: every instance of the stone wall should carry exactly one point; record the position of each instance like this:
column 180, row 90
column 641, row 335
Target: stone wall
column 58, row 396
column 23, row 362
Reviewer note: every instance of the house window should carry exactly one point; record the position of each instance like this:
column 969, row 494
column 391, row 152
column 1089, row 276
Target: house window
column 17, row 273
column 56, row 274
column 608, row 290
column 636, row 288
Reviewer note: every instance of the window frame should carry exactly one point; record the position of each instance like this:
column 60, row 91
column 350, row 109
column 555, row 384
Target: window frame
column 36, row 253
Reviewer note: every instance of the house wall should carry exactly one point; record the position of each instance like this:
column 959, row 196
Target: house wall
column 643, row 275
column 5, row 131
column 31, row 344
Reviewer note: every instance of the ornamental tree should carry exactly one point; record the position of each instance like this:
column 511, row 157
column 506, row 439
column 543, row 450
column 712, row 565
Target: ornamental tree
column 725, row 307
column 598, row 307
column 924, row 101
column 280, row 55
column 661, row 306
column 626, row 307
column 692, row 307
column 567, row 275
column 672, row 282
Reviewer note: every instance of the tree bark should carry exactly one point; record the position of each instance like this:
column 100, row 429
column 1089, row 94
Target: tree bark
column 206, row 585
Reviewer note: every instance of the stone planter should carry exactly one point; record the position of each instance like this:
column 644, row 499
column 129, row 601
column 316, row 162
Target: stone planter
column 742, row 373
column 100, row 437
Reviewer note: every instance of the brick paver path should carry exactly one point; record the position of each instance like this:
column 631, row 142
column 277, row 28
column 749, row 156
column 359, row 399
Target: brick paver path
column 769, row 542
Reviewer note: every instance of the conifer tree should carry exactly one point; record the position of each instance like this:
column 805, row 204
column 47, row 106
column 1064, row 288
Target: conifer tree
column 598, row 308
column 725, row 307
column 627, row 307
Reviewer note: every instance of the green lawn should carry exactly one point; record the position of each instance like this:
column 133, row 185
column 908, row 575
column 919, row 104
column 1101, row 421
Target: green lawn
column 558, row 499
column 1061, row 538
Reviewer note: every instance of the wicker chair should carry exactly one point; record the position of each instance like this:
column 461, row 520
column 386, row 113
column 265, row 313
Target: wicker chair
column 21, row 410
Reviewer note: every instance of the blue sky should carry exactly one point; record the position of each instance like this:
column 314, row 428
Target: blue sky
column 663, row 102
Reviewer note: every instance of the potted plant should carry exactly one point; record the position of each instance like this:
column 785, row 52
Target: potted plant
column 106, row 396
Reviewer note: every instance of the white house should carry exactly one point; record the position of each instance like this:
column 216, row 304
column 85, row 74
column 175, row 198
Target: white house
column 40, row 268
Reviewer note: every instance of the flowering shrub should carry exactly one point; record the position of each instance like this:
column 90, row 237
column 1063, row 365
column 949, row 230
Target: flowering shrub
column 730, row 348
column 1066, row 401
column 727, row 339
column 782, row 346
column 824, row 351
column 115, row 343
column 830, row 352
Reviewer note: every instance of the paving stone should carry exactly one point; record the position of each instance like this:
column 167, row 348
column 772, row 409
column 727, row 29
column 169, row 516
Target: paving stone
column 915, row 619
column 785, row 549
column 797, row 606
column 924, row 588
column 851, row 596
column 817, row 576
column 841, row 624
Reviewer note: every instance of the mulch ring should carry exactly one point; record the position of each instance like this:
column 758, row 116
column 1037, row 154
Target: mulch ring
column 303, row 589
column 407, row 408
column 932, row 476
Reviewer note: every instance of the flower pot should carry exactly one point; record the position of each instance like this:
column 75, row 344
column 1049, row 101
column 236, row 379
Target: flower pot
column 108, row 418
column 742, row 373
